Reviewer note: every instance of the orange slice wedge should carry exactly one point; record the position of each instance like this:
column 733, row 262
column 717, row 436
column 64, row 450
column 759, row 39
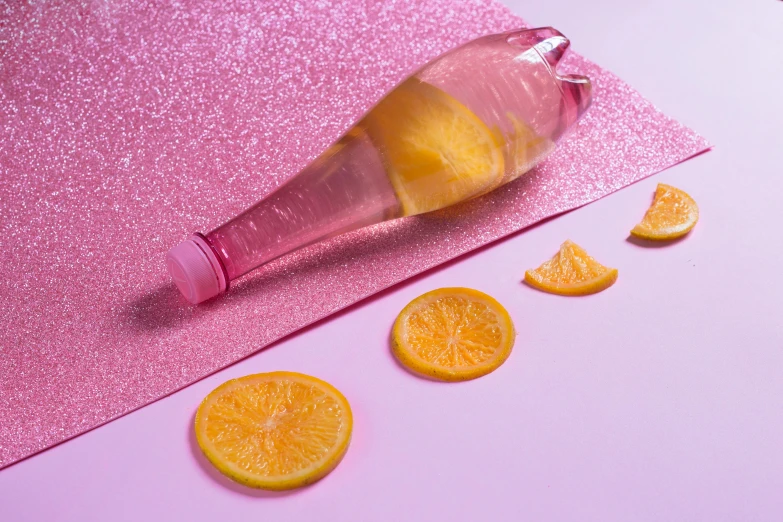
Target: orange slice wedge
column 277, row 431
column 453, row 334
column 571, row 272
column 673, row 214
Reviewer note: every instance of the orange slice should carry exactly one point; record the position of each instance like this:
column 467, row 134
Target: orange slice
column 526, row 147
column 571, row 272
column 523, row 149
column 277, row 431
column 436, row 151
column 673, row 214
column 453, row 334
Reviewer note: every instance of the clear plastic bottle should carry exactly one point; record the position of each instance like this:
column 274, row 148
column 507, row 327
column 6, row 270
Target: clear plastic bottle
column 471, row 120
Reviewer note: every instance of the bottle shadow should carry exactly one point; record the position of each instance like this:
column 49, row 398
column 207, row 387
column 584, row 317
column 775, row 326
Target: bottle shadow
column 163, row 308
column 222, row 480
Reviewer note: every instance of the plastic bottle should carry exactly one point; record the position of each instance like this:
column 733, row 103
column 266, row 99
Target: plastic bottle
column 471, row 120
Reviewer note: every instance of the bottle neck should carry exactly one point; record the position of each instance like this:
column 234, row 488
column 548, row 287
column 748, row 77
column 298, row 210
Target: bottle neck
column 345, row 189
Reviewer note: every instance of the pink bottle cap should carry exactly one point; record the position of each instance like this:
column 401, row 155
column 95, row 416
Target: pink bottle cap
column 196, row 270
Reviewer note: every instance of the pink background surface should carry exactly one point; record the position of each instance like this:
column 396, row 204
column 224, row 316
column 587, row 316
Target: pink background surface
column 660, row 399
column 144, row 121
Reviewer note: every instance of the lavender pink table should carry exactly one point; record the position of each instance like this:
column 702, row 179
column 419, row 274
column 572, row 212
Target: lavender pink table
column 660, row 399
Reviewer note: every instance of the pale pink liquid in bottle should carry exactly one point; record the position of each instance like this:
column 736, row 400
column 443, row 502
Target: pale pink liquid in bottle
column 506, row 80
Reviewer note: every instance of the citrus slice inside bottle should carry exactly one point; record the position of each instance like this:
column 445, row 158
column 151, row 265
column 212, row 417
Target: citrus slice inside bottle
column 436, row 151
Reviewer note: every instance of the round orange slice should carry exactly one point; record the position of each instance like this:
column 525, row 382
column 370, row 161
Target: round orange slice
column 276, row 431
column 571, row 272
column 453, row 334
column 673, row 214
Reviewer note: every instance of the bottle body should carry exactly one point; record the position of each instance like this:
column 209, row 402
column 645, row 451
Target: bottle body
column 468, row 122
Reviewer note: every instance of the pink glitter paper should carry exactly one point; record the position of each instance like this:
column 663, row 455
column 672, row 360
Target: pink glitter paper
column 126, row 125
